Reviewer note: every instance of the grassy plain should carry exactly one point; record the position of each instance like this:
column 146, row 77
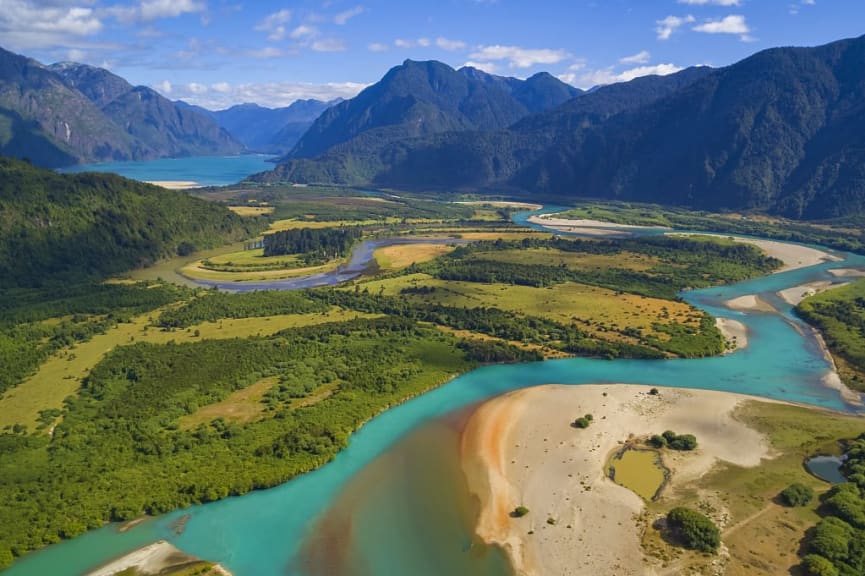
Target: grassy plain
column 61, row 375
column 397, row 257
column 252, row 210
column 762, row 536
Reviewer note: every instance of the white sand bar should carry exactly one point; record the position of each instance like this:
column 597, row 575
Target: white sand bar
column 175, row 184
column 520, row 450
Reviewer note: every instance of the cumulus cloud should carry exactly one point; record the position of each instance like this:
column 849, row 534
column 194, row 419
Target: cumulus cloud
column 670, row 24
column 488, row 67
column 377, row 47
column 642, row 57
column 155, row 9
column 589, row 78
column 733, row 24
column 344, row 17
column 304, row 31
column 518, row 57
column 714, row 2
column 274, row 95
column 33, row 24
column 274, row 24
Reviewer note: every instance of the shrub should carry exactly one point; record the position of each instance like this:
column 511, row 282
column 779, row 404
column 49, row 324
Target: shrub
column 675, row 441
column 695, row 530
column 583, row 421
column 797, row 494
column 519, row 512
column 658, row 441
column 816, row 565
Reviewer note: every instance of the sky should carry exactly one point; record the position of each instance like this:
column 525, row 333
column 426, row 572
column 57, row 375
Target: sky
column 217, row 53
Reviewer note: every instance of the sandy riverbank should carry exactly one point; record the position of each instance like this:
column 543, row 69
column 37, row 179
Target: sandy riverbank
column 587, row 227
column 792, row 255
column 796, row 294
column 749, row 303
column 735, row 333
column 175, row 184
column 157, row 558
column 501, row 204
column 520, row 450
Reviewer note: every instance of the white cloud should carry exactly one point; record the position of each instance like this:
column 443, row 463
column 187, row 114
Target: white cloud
column 377, row 47
column 642, row 57
column 223, row 87
column 733, row 24
column 450, row 45
column 329, row 45
column 715, row 2
column 276, row 94
column 264, row 53
column 488, row 67
column 196, row 88
column 155, row 9
column 423, row 42
column 605, row 76
column 59, row 25
column 76, row 55
column 670, row 24
column 344, row 17
column 304, row 31
column 401, row 43
column 518, row 57
column 274, row 21
column 164, row 87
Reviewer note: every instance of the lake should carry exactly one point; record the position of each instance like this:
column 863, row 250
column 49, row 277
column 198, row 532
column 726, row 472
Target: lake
column 205, row 170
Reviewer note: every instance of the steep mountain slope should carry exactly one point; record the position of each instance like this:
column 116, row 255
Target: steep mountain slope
column 472, row 159
column 782, row 131
column 154, row 121
column 64, row 114
column 93, row 115
column 421, row 98
column 58, row 227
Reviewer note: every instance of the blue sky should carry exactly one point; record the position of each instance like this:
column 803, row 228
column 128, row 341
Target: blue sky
column 222, row 52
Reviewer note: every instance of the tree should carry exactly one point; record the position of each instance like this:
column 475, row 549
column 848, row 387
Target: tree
column 816, row 565
column 694, row 530
column 519, row 512
column 797, row 494
column 583, row 421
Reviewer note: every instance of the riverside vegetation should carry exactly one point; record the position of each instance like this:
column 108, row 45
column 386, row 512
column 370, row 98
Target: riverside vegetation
column 153, row 410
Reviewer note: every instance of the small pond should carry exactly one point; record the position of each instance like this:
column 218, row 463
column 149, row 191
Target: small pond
column 640, row 471
column 826, row 468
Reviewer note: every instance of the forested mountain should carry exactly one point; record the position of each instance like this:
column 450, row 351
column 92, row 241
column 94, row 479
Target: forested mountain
column 273, row 130
column 83, row 113
column 422, row 98
column 782, row 131
column 58, row 227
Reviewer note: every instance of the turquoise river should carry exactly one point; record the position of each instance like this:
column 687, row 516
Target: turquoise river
column 390, row 504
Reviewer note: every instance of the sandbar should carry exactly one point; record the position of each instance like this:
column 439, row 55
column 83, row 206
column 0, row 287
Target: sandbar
column 519, row 449
column 588, row 227
column 735, row 334
column 176, row 184
column 154, row 559
column 796, row 294
column 749, row 303
column 847, row 273
column 501, row 204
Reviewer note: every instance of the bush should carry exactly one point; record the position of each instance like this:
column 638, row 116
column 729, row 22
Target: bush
column 797, row 494
column 695, row 530
column 816, row 565
column 658, row 441
column 583, row 421
column 519, row 512
column 677, row 441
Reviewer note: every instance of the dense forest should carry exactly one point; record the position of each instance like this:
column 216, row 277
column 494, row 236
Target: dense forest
column 314, row 244
column 73, row 227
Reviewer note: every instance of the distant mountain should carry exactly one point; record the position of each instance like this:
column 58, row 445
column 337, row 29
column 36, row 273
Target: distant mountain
column 62, row 227
column 80, row 113
column 270, row 130
column 782, row 131
column 153, row 120
column 422, row 98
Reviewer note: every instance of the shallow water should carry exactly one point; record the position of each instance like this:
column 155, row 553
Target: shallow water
column 826, row 468
column 205, row 170
column 270, row 532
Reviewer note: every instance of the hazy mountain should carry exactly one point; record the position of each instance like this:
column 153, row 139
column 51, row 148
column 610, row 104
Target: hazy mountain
column 272, row 130
column 421, row 98
column 83, row 113
column 781, row 131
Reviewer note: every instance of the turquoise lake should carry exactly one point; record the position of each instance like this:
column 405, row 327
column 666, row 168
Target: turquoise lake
column 205, row 170
column 290, row 529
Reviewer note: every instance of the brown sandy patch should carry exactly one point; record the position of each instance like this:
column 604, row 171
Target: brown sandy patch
column 735, row 334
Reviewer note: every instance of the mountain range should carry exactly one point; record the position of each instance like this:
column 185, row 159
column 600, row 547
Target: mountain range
column 782, row 131
column 68, row 113
column 268, row 130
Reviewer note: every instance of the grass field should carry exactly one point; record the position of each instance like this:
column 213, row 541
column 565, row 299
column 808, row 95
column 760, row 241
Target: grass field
column 573, row 260
column 400, row 256
column 251, row 210
column 199, row 271
column 762, row 536
column 600, row 312
column 240, row 407
column 61, row 375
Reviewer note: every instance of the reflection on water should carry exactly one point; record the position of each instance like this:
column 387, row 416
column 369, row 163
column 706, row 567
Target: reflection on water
column 826, row 468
